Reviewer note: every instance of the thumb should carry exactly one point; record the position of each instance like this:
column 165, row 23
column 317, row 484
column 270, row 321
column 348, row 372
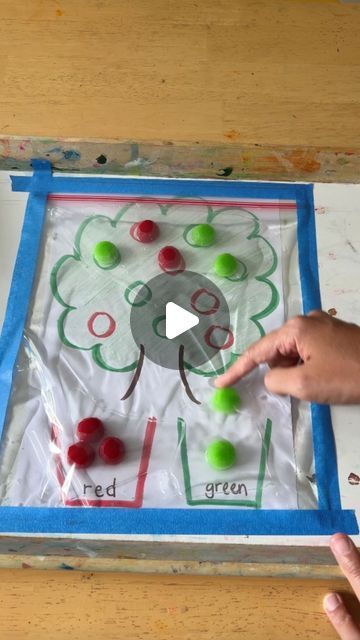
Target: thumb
column 340, row 617
column 292, row 381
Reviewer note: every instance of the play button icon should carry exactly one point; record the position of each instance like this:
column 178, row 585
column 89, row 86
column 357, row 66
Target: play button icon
column 178, row 320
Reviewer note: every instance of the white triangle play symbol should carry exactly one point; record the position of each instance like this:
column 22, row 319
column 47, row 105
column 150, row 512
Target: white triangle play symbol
column 178, row 320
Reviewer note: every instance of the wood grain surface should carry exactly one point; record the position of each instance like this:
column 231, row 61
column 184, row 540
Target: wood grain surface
column 39, row 605
column 248, row 71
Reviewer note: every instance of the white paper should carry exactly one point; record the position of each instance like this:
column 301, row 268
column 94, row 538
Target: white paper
column 64, row 384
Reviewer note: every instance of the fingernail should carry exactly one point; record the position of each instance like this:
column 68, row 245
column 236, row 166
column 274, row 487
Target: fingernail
column 342, row 546
column 332, row 601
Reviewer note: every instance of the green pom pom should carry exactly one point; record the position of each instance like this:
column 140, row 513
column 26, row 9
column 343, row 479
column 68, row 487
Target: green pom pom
column 226, row 400
column 106, row 255
column 225, row 265
column 203, row 235
column 221, row 455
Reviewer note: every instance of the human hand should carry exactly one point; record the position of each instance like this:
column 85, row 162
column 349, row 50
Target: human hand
column 314, row 357
column 348, row 559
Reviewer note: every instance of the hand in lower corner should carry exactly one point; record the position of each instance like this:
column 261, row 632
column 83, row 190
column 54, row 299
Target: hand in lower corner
column 348, row 559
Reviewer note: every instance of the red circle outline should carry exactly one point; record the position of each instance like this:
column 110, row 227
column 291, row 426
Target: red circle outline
column 195, row 297
column 108, row 332
column 209, row 331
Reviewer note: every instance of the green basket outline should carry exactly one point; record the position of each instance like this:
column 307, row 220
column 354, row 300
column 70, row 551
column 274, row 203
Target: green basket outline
column 256, row 504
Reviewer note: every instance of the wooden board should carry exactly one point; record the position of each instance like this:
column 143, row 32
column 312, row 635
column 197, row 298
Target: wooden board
column 250, row 71
column 132, row 556
column 220, row 88
column 184, row 160
column 38, row 605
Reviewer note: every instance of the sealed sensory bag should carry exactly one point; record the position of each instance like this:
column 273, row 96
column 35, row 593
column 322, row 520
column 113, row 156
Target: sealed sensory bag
column 101, row 408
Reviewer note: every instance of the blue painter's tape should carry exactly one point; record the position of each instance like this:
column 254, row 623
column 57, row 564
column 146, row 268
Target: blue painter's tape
column 325, row 458
column 175, row 521
column 326, row 520
column 323, row 436
column 160, row 186
column 20, row 295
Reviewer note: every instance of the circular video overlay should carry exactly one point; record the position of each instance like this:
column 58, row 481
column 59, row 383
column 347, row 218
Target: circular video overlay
column 180, row 319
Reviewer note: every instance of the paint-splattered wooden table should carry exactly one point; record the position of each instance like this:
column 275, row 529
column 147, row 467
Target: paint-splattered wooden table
column 241, row 89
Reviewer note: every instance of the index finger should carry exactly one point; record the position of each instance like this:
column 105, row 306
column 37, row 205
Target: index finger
column 261, row 351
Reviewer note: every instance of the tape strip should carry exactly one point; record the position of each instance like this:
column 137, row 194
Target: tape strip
column 160, row 186
column 22, row 284
column 175, row 521
column 323, row 436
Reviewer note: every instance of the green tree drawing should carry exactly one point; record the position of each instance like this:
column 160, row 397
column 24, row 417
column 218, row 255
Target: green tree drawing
column 97, row 301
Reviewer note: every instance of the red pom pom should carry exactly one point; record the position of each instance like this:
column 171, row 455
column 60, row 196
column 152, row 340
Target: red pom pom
column 146, row 231
column 90, row 429
column 112, row 450
column 81, row 455
column 170, row 258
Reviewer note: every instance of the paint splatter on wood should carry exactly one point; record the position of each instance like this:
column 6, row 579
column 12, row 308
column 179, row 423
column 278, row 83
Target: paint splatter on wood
column 353, row 478
column 192, row 160
column 227, row 171
column 66, row 567
column 71, row 154
column 304, row 160
column 233, row 134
